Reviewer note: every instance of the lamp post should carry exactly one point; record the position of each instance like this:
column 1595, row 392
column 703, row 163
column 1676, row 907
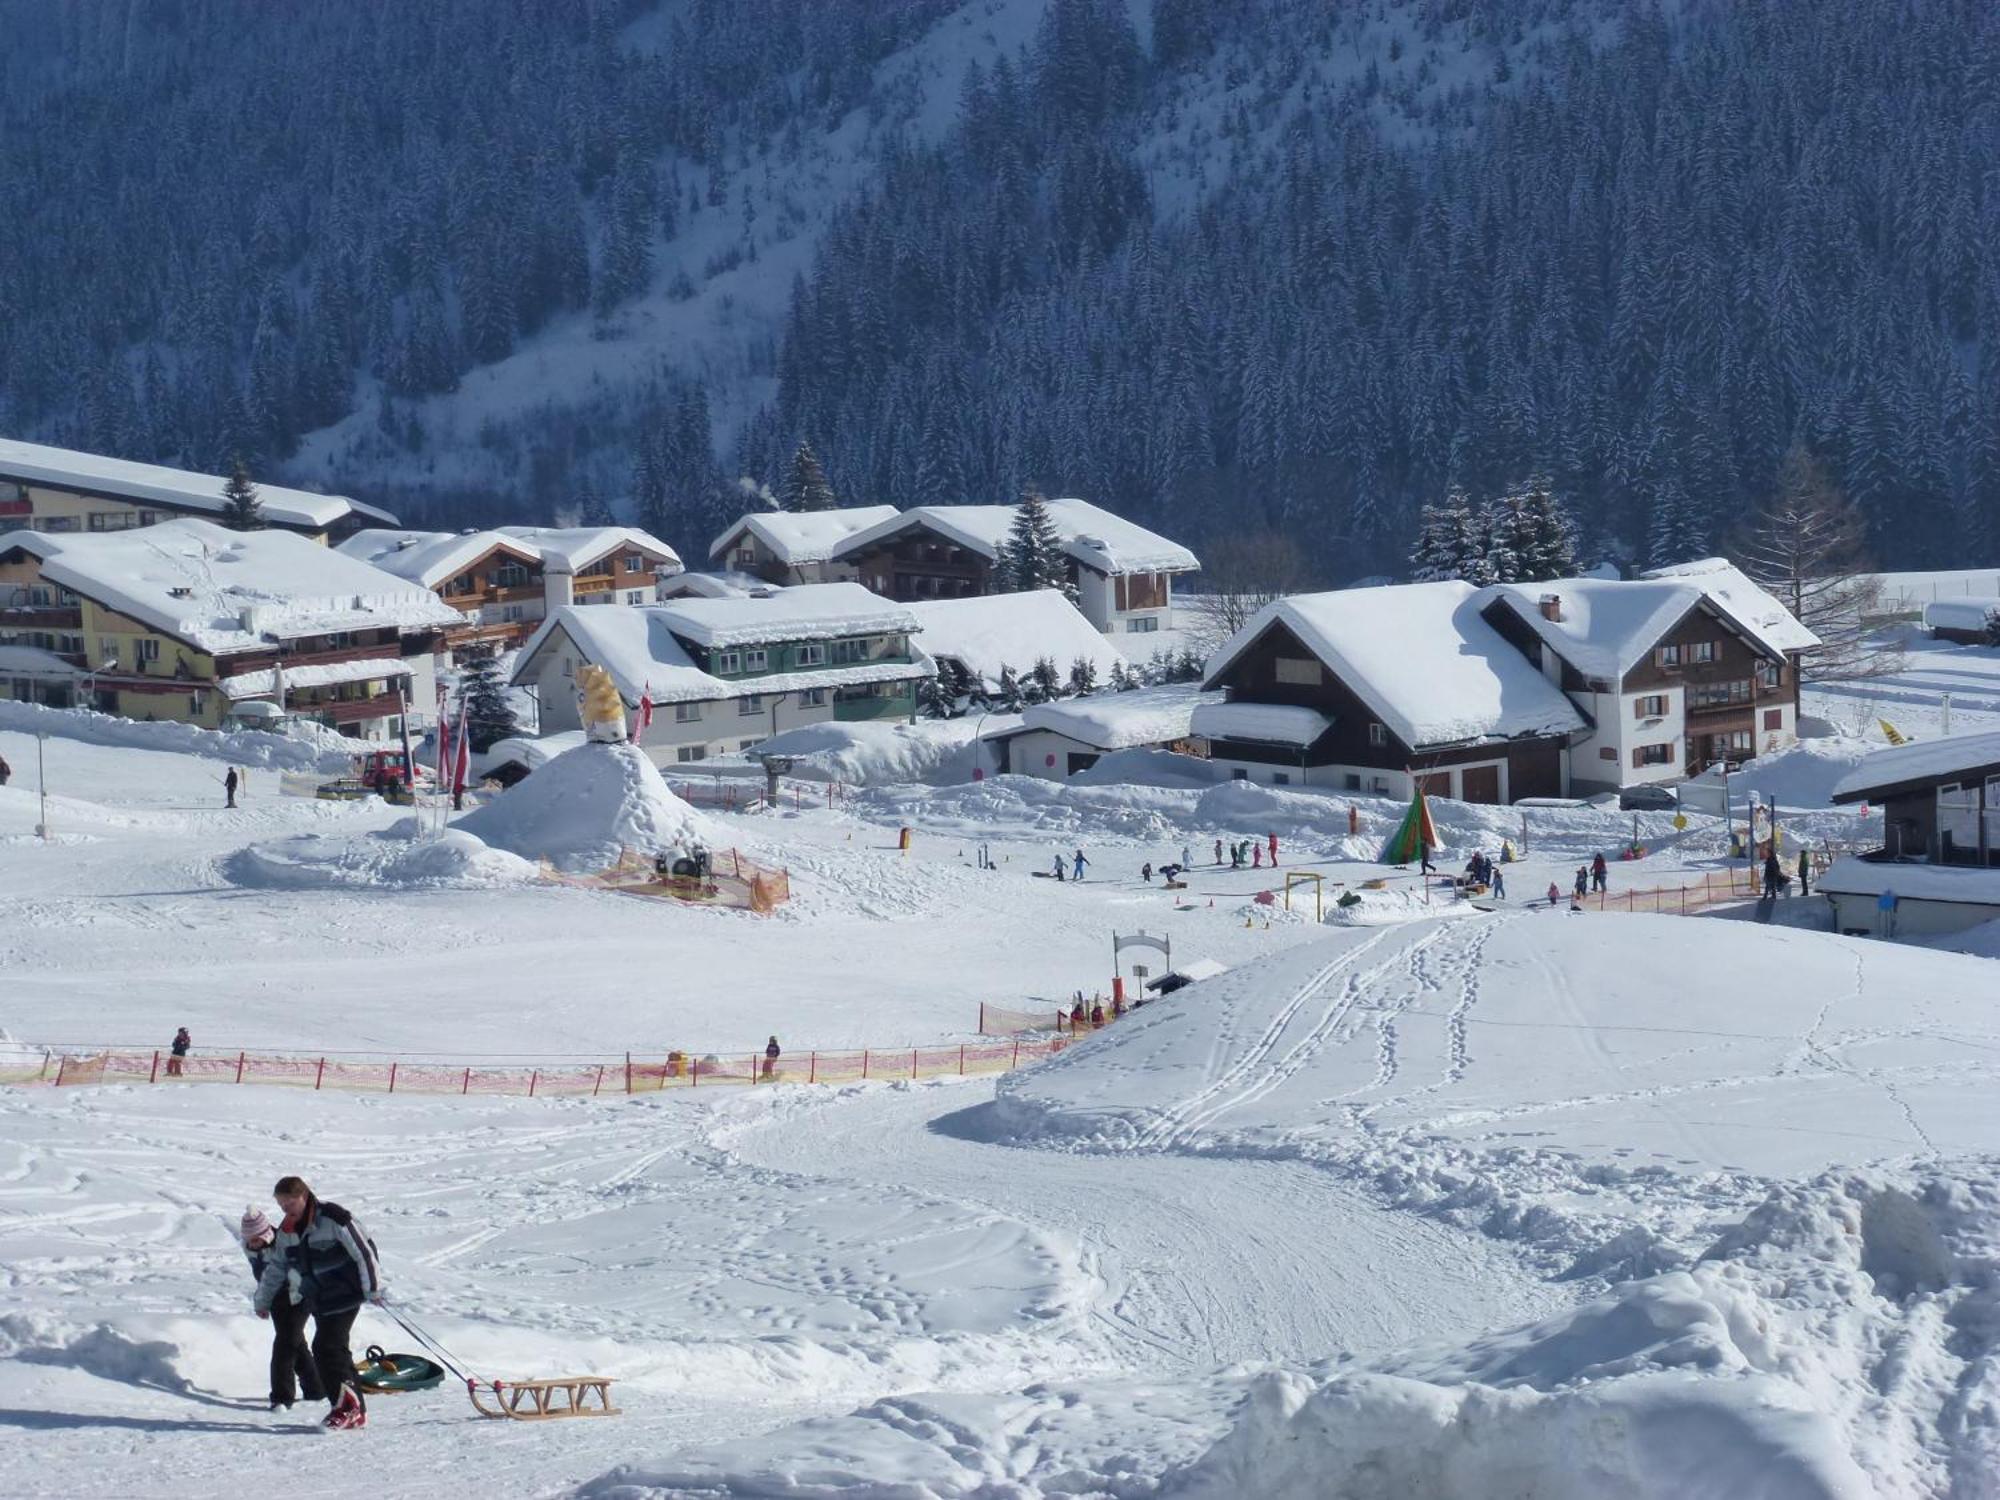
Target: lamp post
column 109, row 664
column 42, row 782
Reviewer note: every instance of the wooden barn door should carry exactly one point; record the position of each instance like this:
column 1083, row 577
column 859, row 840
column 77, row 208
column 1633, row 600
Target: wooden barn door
column 1481, row 783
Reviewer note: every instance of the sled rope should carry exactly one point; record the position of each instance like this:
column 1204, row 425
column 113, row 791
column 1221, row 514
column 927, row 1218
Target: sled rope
column 430, row 1345
column 522, row 1400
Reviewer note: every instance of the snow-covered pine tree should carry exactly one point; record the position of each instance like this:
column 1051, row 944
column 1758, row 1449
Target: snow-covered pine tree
column 488, row 714
column 1532, row 535
column 1044, row 681
column 1082, row 676
column 806, row 486
column 1190, row 667
column 1454, row 540
column 935, row 699
column 1009, row 696
column 1032, row 556
column 241, row 509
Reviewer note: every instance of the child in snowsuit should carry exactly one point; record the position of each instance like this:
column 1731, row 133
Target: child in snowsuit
column 182, row 1041
column 326, row 1263
column 293, row 1373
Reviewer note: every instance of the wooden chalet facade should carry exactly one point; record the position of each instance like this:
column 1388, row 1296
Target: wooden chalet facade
column 1940, row 799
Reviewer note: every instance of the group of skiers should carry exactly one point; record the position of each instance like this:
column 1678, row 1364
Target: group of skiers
column 318, row 1263
column 1095, row 1014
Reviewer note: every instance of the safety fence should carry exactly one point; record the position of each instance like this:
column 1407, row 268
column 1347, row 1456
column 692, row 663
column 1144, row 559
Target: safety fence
column 743, row 794
column 996, row 1020
column 729, row 879
column 633, row 1074
column 1714, row 888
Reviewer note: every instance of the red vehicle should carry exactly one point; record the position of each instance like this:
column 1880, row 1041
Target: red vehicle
column 381, row 773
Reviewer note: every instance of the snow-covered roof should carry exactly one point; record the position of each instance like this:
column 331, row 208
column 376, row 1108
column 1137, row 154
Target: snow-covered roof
column 580, row 546
column 1961, row 614
column 985, row 633
column 1093, row 536
column 1749, row 605
column 1604, row 627
column 314, row 674
column 1926, row 760
column 533, row 751
column 431, row 558
column 1421, row 658
column 807, row 612
column 795, row 537
column 1270, row 723
column 223, row 591
column 181, row 489
column 1120, row 721
column 635, row 644
column 32, row 661
column 725, row 584
column 641, row 647
column 1849, row 876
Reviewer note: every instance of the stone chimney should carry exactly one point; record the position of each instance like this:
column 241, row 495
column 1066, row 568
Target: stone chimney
column 558, row 584
column 1552, row 606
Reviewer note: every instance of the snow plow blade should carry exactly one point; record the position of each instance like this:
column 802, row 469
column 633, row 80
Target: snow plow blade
column 544, row 1400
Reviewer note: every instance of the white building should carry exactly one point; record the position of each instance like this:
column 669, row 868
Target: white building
column 1057, row 740
column 724, row 674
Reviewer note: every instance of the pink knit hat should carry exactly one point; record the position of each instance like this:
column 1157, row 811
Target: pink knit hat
column 255, row 1225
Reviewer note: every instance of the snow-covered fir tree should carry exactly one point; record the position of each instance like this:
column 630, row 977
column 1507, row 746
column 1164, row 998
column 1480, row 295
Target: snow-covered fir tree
column 241, row 509
column 1082, row 676
column 1449, row 540
column 1009, row 695
column 806, row 486
column 1045, row 682
column 1032, row 557
column 1531, row 535
column 489, row 716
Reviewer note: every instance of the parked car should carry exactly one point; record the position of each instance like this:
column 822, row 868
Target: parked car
column 1647, row 799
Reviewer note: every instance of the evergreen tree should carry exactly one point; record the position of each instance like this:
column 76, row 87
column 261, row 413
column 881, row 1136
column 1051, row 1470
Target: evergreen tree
column 806, row 487
column 1530, row 535
column 1044, row 681
column 1032, row 557
column 1082, row 676
column 1190, row 667
column 241, row 509
column 1009, row 696
column 489, row 716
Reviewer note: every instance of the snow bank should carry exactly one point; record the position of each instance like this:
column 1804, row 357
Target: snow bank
column 587, row 804
column 395, row 858
column 312, row 749
column 1803, row 775
column 933, row 751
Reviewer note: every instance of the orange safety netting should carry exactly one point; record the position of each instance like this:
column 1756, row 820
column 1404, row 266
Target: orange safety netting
column 733, row 881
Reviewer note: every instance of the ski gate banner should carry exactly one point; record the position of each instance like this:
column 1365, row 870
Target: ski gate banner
column 632, row 1074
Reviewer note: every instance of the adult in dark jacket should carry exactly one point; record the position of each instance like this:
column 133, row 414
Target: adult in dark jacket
column 325, row 1261
column 178, row 1051
column 229, row 786
column 1774, row 875
column 1805, row 873
column 1600, row 873
column 293, row 1373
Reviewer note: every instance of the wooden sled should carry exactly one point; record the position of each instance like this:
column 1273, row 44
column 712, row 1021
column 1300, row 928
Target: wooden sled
column 542, row 1400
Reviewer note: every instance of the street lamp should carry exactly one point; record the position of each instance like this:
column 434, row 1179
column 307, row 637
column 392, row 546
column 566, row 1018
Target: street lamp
column 109, row 664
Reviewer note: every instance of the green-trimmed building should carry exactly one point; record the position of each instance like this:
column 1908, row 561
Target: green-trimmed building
column 724, row 674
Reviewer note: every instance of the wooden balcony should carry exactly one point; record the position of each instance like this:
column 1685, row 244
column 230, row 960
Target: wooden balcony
column 42, row 617
column 354, row 710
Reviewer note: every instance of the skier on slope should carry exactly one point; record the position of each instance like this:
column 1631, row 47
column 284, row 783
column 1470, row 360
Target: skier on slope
column 229, row 787
column 293, row 1373
column 1080, row 863
column 325, row 1261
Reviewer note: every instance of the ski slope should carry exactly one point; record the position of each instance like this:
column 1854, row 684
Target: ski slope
column 1440, row 1203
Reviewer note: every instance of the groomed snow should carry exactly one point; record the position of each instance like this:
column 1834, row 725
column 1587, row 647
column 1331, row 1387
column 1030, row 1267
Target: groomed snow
column 1421, row 658
column 585, row 806
column 223, row 591
column 805, row 536
column 990, row 632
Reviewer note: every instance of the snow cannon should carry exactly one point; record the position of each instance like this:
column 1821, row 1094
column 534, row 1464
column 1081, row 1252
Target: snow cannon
column 603, row 708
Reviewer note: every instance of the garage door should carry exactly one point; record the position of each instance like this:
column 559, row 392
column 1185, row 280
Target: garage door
column 1481, row 783
column 1436, row 784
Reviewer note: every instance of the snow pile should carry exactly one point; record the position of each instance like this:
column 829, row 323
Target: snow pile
column 1802, row 775
column 1143, row 767
column 585, row 806
column 933, row 751
column 313, row 749
column 394, row 858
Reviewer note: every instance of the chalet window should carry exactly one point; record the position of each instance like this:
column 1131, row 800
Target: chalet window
column 194, row 703
column 744, row 744
column 1719, row 694
column 1668, row 657
column 811, row 654
column 149, row 518
column 1141, row 590
column 1702, row 651
column 848, row 651
column 756, row 661
column 1377, row 735
column 1143, row 625
column 746, row 559
column 635, row 596
column 1300, row 671
column 753, row 704
column 691, row 752
column 1774, row 718
column 1281, row 778
column 1653, row 755
column 635, row 562
column 1652, row 706
column 57, row 523
column 509, row 576
column 1770, row 674
column 687, row 713
column 1351, row 782
column 107, row 648
column 149, row 648
column 1239, row 775
column 599, row 569
column 728, row 661
column 813, row 698
column 1607, row 752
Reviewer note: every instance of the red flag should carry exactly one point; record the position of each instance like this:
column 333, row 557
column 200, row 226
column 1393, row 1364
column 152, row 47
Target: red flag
column 444, row 740
column 461, row 757
column 645, row 713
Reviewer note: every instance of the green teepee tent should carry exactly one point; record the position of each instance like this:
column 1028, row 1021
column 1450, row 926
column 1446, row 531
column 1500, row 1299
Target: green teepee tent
column 1413, row 835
